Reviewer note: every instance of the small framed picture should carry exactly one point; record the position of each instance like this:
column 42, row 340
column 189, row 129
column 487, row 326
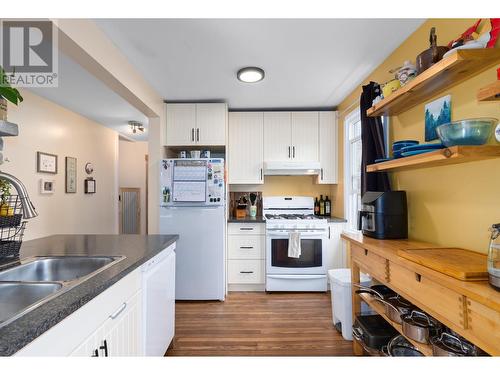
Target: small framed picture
column 90, row 186
column 70, row 175
column 46, row 163
column 47, row 186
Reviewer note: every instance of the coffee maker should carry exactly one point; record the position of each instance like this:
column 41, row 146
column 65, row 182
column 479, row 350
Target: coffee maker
column 384, row 215
column 494, row 257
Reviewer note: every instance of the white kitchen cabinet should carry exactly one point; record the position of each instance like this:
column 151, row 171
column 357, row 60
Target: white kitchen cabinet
column 211, row 120
column 245, row 148
column 305, row 136
column 277, row 136
column 181, row 124
column 334, row 255
column 328, row 147
column 190, row 124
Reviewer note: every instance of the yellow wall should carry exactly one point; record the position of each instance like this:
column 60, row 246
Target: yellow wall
column 448, row 205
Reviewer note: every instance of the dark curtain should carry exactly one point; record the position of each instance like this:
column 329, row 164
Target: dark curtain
column 372, row 139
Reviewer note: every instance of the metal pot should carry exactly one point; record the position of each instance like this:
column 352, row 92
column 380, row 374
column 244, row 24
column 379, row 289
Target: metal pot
column 432, row 55
column 419, row 326
column 395, row 307
column 448, row 345
column 400, row 347
column 380, row 291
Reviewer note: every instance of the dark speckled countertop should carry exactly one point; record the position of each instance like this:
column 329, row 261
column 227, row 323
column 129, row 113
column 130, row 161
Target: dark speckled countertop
column 261, row 219
column 136, row 248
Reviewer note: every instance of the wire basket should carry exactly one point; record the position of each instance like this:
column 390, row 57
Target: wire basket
column 11, row 239
column 11, row 212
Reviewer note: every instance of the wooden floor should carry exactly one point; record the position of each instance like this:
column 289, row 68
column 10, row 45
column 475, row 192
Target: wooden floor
column 258, row 324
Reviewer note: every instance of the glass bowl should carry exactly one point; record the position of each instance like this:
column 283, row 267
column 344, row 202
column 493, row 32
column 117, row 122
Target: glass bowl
column 473, row 131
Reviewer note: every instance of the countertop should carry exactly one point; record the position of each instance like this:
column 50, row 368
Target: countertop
column 261, row 219
column 136, row 248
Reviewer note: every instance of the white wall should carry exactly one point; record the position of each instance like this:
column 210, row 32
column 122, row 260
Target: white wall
column 132, row 171
column 45, row 126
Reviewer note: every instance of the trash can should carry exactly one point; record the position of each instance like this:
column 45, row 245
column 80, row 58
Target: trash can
column 341, row 292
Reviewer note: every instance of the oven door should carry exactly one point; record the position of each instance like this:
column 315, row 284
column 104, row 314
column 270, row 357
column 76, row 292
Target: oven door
column 311, row 260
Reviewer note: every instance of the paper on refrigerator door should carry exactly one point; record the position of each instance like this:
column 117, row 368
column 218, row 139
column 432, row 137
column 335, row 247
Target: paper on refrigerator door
column 189, row 191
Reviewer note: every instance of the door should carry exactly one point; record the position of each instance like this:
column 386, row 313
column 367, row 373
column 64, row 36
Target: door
column 130, row 211
column 200, row 249
column 328, row 151
column 277, row 136
column 181, row 124
column 123, row 330
column 305, row 136
column 245, row 147
column 211, row 124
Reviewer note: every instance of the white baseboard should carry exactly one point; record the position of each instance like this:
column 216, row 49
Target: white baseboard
column 246, row 287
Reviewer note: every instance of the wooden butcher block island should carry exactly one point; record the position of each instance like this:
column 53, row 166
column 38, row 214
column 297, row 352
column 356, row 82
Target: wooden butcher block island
column 470, row 308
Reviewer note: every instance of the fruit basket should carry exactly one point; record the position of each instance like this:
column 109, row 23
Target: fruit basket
column 10, row 211
column 11, row 239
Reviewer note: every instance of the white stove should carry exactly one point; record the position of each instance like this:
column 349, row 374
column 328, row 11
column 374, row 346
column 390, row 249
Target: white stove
column 308, row 272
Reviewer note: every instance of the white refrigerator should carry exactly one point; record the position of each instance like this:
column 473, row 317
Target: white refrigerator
column 193, row 206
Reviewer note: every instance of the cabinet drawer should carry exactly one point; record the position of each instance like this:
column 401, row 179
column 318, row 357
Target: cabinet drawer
column 246, row 271
column 247, row 228
column 246, row 247
column 431, row 295
column 372, row 263
column 485, row 325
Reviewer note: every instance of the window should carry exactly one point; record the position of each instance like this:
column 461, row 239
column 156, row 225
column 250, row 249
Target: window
column 352, row 168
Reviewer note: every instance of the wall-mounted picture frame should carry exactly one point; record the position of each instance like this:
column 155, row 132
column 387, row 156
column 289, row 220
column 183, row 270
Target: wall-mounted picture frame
column 70, row 174
column 46, row 163
column 437, row 112
column 90, row 186
column 47, row 186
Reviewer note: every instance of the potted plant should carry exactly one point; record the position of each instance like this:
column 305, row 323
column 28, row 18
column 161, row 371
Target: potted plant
column 7, row 93
column 5, row 208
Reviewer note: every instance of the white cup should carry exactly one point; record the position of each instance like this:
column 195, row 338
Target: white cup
column 195, row 154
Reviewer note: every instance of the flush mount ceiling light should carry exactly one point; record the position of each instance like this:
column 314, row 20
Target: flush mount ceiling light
column 136, row 125
column 250, row 74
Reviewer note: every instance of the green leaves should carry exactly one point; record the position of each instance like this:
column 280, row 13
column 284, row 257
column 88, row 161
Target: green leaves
column 6, row 91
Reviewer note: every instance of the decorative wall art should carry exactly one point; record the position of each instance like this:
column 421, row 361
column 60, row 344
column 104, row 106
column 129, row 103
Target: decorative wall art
column 90, row 185
column 47, row 186
column 437, row 113
column 46, row 163
column 70, row 175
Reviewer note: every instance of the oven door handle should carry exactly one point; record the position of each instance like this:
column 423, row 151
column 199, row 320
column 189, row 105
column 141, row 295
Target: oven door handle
column 302, row 277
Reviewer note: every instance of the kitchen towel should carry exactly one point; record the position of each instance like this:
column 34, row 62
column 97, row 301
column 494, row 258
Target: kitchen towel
column 294, row 250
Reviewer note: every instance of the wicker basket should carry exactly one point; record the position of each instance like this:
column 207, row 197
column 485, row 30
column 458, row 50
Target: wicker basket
column 10, row 240
column 10, row 211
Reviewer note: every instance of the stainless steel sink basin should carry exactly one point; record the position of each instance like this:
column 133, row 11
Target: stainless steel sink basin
column 63, row 268
column 16, row 297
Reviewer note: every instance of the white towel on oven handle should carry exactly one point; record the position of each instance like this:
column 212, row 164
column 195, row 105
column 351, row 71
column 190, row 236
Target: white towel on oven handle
column 294, row 249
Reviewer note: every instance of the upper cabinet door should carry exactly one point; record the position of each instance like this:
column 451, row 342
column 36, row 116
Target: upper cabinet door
column 181, row 124
column 277, row 136
column 305, row 136
column 328, row 147
column 245, row 148
column 211, row 124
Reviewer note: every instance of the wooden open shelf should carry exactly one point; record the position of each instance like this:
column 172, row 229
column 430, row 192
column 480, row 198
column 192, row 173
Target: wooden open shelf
column 445, row 156
column 459, row 66
column 489, row 93
column 379, row 308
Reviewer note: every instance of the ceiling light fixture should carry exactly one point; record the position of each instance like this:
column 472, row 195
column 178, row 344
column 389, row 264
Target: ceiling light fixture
column 250, row 74
column 136, row 125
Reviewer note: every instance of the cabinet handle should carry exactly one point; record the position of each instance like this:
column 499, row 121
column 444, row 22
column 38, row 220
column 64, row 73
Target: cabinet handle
column 197, row 134
column 261, row 176
column 366, row 252
column 328, row 232
column 246, row 247
column 95, row 353
column 192, row 134
column 289, row 152
column 119, row 311
column 246, row 228
column 418, row 277
column 105, row 348
column 293, row 148
column 246, row 271
column 321, row 173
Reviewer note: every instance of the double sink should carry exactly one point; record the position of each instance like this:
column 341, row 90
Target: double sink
column 24, row 286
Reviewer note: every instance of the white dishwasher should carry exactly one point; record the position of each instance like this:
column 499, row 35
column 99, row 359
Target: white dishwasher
column 159, row 302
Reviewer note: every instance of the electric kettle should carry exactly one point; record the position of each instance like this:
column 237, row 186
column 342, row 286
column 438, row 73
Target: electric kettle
column 494, row 257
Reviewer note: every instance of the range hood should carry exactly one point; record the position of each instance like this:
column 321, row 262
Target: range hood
column 291, row 168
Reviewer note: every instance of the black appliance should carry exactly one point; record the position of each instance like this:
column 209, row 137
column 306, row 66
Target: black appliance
column 373, row 331
column 384, row 215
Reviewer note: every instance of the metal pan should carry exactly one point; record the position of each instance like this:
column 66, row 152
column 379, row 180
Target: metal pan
column 419, row 326
column 447, row 345
column 400, row 347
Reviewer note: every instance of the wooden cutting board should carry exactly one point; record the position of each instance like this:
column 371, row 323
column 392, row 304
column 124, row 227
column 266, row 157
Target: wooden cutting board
column 461, row 264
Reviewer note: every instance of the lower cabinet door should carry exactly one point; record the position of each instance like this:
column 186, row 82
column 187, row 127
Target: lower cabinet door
column 123, row 330
column 90, row 347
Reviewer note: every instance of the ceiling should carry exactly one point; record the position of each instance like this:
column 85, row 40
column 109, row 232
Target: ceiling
column 309, row 63
column 82, row 93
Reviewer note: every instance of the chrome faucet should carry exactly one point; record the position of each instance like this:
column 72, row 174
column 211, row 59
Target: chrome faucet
column 29, row 211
